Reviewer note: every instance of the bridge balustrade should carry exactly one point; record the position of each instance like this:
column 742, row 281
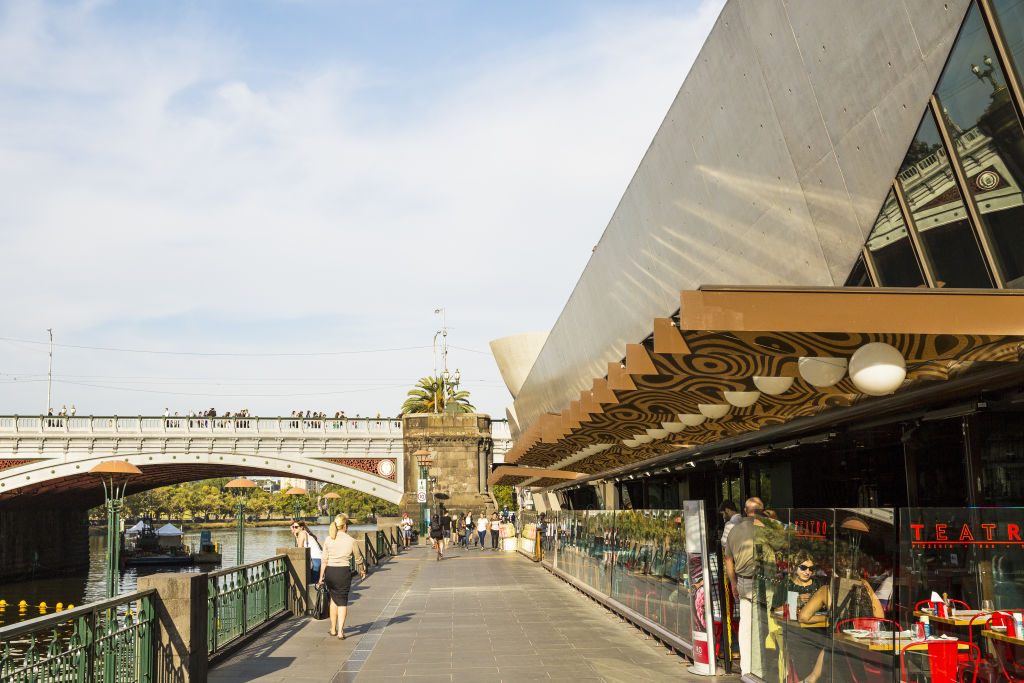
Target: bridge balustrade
column 187, row 425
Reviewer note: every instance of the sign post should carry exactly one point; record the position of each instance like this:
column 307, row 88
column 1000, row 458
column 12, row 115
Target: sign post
column 702, row 623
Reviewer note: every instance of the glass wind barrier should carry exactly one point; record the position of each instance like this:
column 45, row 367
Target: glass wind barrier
column 822, row 584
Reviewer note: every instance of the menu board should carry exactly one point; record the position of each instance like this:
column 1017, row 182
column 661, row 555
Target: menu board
column 701, row 619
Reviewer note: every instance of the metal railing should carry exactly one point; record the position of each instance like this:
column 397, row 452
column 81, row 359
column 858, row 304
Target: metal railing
column 113, row 424
column 242, row 598
column 104, row 642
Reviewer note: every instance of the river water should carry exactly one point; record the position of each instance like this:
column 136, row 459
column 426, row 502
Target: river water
column 260, row 542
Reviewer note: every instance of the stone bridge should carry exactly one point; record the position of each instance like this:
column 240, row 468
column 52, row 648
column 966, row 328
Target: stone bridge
column 46, row 459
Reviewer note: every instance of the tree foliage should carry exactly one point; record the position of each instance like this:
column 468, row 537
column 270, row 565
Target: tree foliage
column 431, row 392
column 210, row 501
column 505, row 495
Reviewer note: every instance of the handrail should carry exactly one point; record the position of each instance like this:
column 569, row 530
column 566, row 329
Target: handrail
column 50, row 620
column 106, row 424
column 243, row 598
column 230, row 570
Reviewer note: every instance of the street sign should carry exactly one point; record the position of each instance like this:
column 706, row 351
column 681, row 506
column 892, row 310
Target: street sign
column 421, row 486
column 421, row 496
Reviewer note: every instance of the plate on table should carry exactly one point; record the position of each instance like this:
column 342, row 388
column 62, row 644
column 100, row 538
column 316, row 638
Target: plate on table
column 857, row 632
column 1000, row 629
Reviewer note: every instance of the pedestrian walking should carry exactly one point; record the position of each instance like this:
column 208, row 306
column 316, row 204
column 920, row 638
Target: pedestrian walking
column 406, row 529
column 495, row 527
column 336, row 572
column 467, row 527
column 481, row 528
column 437, row 535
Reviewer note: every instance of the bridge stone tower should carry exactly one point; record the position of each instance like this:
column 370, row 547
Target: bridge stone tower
column 462, row 451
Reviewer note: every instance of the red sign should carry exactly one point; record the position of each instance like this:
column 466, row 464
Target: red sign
column 941, row 535
column 812, row 528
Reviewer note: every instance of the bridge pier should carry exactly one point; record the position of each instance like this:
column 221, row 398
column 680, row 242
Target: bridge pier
column 43, row 542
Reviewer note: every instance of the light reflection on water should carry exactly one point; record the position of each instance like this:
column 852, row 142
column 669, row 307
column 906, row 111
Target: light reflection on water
column 260, row 542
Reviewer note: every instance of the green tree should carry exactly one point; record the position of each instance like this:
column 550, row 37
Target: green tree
column 505, row 496
column 434, row 394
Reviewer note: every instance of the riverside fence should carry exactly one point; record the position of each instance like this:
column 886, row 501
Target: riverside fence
column 155, row 634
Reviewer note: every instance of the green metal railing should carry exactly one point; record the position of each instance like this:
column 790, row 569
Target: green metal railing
column 242, row 598
column 104, row 642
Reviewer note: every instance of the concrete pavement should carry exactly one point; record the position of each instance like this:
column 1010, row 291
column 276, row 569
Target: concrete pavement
column 476, row 616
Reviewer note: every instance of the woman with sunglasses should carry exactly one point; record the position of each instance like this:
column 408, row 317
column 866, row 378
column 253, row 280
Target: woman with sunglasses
column 802, row 581
column 305, row 538
column 806, row 655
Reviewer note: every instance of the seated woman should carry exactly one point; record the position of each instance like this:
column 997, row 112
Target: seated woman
column 801, row 581
column 806, row 646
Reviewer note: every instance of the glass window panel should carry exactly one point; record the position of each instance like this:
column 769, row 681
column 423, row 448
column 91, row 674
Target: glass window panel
column 859, row 275
column 938, row 212
column 988, row 137
column 891, row 249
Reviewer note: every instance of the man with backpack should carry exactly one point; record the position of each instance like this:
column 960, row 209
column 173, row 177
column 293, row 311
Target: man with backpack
column 437, row 535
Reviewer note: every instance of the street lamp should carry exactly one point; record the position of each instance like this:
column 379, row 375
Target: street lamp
column 331, row 496
column 242, row 484
column 114, row 475
column 424, row 460
column 295, row 492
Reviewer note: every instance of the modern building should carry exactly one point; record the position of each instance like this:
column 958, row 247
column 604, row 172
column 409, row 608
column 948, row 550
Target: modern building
column 811, row 288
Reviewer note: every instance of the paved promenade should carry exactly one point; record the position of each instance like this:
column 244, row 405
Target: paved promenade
column 476, row 616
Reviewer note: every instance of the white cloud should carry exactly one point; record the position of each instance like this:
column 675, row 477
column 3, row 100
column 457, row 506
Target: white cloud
column 150, row 174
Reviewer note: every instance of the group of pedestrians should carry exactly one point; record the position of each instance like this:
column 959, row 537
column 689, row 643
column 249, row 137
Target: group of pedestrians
column 464, row 531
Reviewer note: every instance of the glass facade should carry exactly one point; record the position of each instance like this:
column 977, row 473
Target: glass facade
column 961, row 221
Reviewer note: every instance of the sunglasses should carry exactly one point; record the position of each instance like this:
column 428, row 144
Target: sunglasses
column 806, row 567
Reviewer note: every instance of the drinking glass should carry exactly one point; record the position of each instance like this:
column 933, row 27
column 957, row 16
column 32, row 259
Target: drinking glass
column 987, row 606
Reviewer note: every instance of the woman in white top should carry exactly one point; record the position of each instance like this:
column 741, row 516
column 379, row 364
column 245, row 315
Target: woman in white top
column 339, row 551
column 305, row 538
column 481, row 529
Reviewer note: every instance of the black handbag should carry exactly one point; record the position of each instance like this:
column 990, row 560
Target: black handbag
column 321, row 606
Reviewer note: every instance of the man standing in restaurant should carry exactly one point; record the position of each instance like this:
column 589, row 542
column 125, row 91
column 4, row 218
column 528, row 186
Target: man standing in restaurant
column 739, row 567
column 730, row 515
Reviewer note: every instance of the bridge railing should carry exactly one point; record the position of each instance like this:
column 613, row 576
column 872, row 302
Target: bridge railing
column 243, row 598
column 113, row 424
column 104, row 642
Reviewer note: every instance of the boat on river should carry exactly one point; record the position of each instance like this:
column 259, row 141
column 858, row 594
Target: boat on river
column 144, row 546
column 209, row 551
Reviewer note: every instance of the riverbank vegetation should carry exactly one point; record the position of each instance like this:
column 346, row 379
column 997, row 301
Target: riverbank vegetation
column 208, row 502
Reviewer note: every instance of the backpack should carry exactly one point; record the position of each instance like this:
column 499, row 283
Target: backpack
column 435, row 528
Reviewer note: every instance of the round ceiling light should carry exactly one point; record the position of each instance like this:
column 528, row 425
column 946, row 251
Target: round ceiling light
column 821, row 371
column 691, row 419
column 713, row 410
column 878, row 369
column 742, row 399
column 674, row 427
column 773, row 386
column 643, row 438
column 658, row 433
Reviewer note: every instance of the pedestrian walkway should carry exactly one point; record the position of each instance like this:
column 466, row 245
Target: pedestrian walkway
column 475, row 616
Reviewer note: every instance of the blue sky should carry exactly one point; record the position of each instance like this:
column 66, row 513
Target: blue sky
column 306, row 177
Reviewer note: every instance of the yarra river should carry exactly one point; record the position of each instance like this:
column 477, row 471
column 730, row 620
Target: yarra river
column 260, row 543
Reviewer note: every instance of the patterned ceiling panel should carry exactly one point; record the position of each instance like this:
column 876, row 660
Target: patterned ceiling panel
column 722, row 361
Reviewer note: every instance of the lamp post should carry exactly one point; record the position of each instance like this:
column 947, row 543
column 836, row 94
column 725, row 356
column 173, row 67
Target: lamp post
column 295, row 492
column 424, row 460
column 243, row 485
column 114, row 475
column 330, row 506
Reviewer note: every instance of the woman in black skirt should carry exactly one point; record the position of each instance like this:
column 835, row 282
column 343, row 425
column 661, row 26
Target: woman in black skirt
column 335, row 571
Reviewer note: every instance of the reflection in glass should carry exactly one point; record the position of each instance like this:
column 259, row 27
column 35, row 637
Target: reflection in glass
column 859, row 275
column 939, row 213
column 891, row 250
column 988, row 137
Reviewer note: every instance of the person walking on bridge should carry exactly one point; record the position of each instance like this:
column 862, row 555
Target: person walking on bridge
column 335, row 571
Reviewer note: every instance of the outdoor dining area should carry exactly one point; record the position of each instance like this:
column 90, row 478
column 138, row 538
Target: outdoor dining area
column 875, row 595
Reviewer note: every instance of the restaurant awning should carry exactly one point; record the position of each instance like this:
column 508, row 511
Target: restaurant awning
column 737, row 360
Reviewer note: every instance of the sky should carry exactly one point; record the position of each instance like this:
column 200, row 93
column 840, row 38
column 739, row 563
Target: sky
column 260, row 205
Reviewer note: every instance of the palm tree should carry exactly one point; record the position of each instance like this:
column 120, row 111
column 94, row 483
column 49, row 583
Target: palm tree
column 433, row 394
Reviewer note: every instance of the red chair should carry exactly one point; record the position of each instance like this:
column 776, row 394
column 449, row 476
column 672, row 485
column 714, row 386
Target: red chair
column 863, row 670
column 944, row 663
column 1006, row 655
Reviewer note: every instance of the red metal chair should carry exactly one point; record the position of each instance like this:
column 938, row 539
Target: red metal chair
column 1006, row 655
column 863, row 670
column 944, row 663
